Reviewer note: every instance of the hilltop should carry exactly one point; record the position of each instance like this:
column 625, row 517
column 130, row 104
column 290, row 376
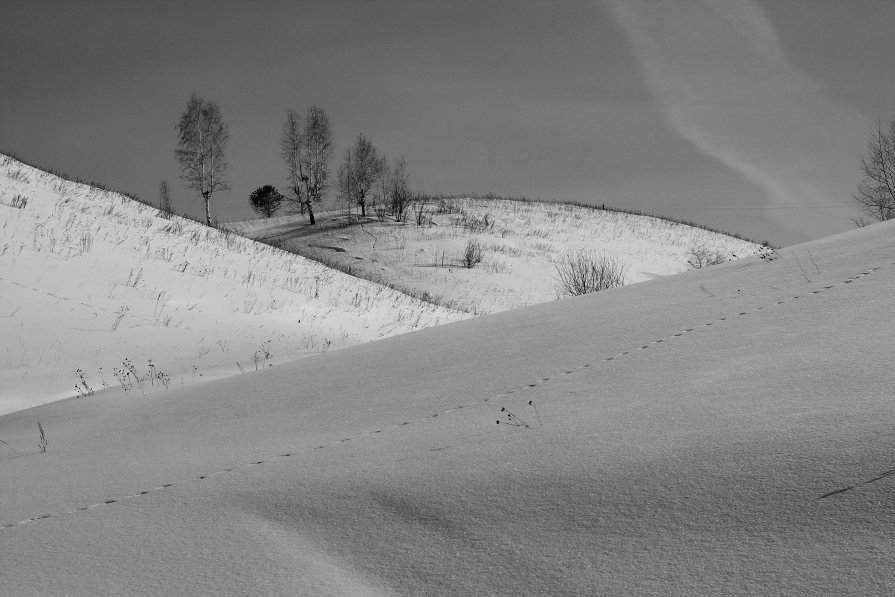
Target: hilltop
column 521, row 241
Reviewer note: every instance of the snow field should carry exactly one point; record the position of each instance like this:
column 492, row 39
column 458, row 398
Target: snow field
column 726, row 431
column 522, row 242
column 89, row 278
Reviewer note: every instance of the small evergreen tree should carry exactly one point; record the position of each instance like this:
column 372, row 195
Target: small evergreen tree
column 266, row 200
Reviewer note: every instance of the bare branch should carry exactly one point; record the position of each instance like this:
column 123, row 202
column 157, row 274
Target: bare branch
column 876, row 191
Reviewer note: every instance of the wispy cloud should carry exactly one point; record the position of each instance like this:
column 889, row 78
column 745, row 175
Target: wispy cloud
column 720, row 73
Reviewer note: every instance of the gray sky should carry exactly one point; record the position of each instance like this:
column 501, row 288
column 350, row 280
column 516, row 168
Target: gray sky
column 749, row 116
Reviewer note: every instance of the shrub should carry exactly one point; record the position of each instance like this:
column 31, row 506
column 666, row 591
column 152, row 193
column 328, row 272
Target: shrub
column 476, row 224
column 472, row 254
column 19, row 201
column 583, row 271
column 701, row 256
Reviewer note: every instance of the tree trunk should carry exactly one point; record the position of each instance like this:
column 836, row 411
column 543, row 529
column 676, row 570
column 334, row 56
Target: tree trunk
column 207, row 197
column 304, row 180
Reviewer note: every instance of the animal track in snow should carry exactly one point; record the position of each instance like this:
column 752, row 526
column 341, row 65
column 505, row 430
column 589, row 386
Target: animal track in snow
column 527, row 386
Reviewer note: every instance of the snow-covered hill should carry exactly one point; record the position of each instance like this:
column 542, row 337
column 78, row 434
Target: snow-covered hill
column 726, row 431
column 93, row 283
column 521, row 242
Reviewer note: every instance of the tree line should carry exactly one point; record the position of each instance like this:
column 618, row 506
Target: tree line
column 364, row 177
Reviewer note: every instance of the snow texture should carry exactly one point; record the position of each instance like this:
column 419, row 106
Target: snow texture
column 725, row 431
column 522, row 241
column 89, row 278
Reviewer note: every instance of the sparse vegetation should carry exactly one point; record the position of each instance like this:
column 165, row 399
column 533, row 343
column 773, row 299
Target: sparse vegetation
column 129, row 379
column 164, row 198
column 475, row 223
column 8, row 446
column 119, row 315
column 86, row 242
column 19, row 201
column 768, row 253
column 514, row 420
column 18, row 175
column 584, row 271
column 82, row 387
column 262, row 357
column 43, row 443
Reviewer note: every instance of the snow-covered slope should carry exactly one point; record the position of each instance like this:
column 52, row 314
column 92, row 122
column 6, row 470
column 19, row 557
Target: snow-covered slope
column 521, row 242
column 722, row 432
column 93, row 281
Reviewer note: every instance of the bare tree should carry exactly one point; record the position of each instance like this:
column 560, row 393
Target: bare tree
column 876, row 191
column 399, row 196
column 342, row 174
column 317, row 151
column 307, row 148
column 164, row 197
column 358, row 172
column 202, row 136
column 266, row 200
column 290, row 149
column 381, row 188
column 420, row 202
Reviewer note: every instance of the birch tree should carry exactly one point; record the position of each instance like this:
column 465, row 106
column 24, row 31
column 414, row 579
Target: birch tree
column 307, row 148
column 358, row 172
column 202, row 137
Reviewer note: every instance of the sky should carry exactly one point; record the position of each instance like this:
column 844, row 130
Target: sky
column 749, row 116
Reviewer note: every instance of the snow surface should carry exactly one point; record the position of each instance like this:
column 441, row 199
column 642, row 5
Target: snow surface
column 89, row 278
column 522, row 242
column 726, row 431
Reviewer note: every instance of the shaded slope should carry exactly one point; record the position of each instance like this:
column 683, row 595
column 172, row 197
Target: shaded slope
column 692, row 432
